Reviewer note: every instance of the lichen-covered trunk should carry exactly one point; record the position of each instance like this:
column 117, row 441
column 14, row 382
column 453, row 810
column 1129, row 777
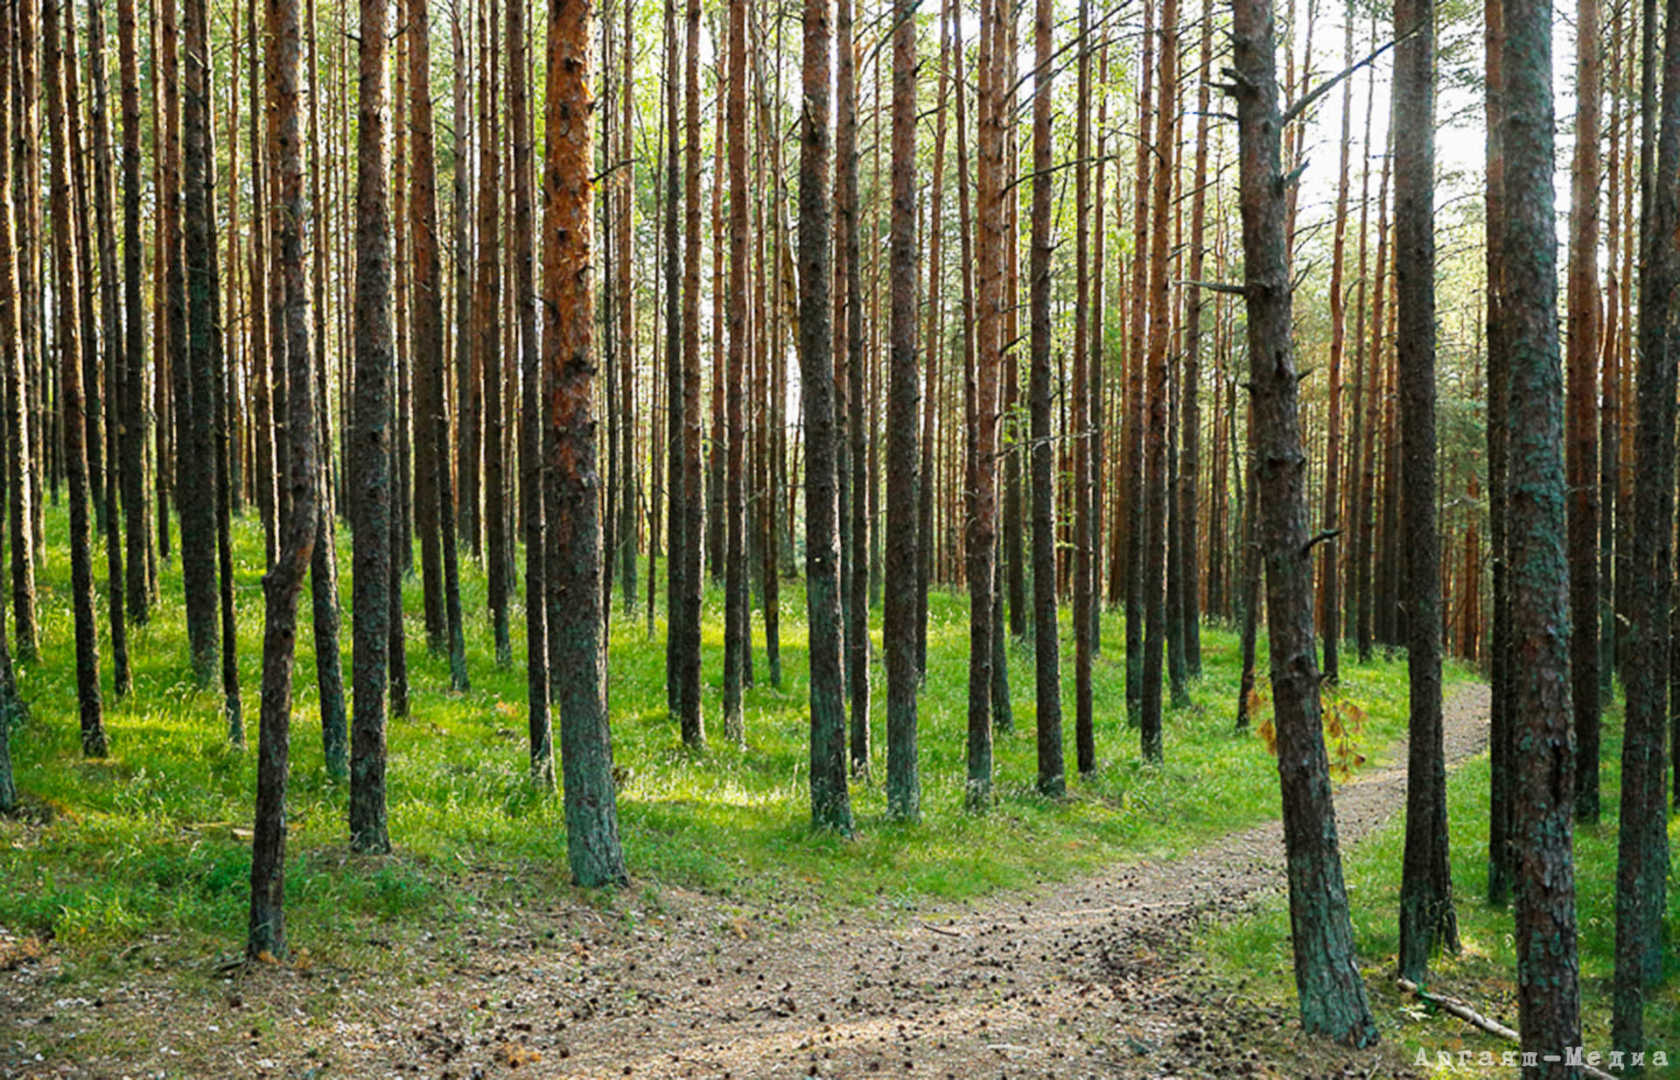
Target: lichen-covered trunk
column 136, row 508
column 1427, row 919
column 266, row 933
column 576, row 650
column 1332, row 995
column 1047, row 666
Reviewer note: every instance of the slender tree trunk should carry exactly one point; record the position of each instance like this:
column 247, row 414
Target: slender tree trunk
column 576, row 649
column 1642, row 836
column 899, row 617
column 369, row 468
column 428, row 327
column 694, row 502
column 1501, row 852
column 110, row 343
column 734, row 505
column 1427, row 919
column 403, row 517
column 1155, row 453
column 1052, row 778
column 487, row 324
column 1191, row 404
column 463, row 501
column 21, row 488
column 1332, row 995
column 67, row 334
column 933, row 348
column 262, row 362
column 1136, row 473
column 191, row 372
column 212, row 438
column 988, row 359
column 830, row 802
column 1581, row 460
column 1085, row 359
column 531, row 408
column 1610, row 408
column 1330, row 599
column 11, row 356
column 1364, row 371
column 267, row 928
column 849, row 356
column 629, row 496
column 675, row 416
column 1548, row 995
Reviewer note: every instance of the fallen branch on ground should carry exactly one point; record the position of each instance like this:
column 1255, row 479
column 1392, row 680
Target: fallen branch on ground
column 1469, row 1015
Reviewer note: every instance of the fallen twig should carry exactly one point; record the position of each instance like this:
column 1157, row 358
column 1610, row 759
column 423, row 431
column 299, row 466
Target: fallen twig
column 1463, row 1010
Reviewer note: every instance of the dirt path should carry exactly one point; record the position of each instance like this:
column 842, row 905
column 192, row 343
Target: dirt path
column 1087, row 978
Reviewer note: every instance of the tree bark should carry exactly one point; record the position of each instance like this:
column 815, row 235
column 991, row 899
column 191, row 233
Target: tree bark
column 1501, row 854
column 67, row 337
column 988, row 359
column 531, row 480
column 487, row 304
column 1135, row 472
column 678, row 494
column 1427, row 919
column 899, row 617
column 576, row 652
column 1642, row 834
column 1047, row 666
column 370, row 473
column 428, row 333
column 1332, row 995
column 1155, row 433
column 266, row 935
column 191, row 372
column 11, row 356
column 735, row 638
column 690, row 716
column 830, row 802
column 1581, row 461
column 1548, row 995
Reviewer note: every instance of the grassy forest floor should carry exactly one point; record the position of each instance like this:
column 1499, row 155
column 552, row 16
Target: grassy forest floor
column 125, row 881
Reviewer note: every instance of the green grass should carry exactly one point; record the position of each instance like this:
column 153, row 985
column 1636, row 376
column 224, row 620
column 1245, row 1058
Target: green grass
column 144, row 843
column 1256, row 948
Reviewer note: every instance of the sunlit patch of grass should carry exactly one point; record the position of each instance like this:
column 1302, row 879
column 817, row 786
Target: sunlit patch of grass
column 1256, row 947
column 155, row 839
